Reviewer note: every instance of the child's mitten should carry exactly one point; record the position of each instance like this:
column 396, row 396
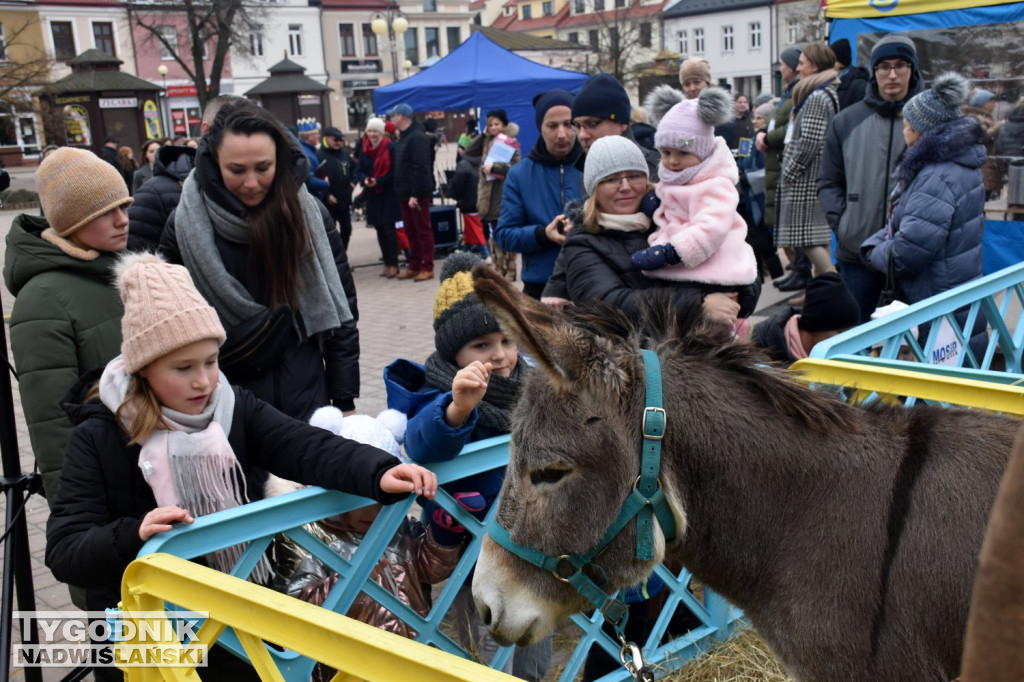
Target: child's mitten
column 447, row 531
column 655, row 257
column 650, row 203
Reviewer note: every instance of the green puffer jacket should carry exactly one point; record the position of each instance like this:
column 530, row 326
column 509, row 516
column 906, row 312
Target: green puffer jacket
column 66, row 321
column 775, row 141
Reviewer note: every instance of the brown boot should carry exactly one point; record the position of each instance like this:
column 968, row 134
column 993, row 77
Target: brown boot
column 391, row 271
column 423, row 276
column 408, row 273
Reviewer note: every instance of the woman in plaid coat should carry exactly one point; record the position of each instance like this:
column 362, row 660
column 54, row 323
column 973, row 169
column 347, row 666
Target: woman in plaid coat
column 802, row 220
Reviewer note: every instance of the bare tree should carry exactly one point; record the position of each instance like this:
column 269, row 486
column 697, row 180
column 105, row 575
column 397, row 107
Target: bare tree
column 622, row 41
column 213, row 27
column 23, row 64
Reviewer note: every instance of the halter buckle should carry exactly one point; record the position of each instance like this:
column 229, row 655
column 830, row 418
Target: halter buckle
column 563, row 560
column 657, row 423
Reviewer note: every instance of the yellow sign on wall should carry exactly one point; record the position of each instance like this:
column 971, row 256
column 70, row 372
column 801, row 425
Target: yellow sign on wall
column 151, row 114
column 871, row 9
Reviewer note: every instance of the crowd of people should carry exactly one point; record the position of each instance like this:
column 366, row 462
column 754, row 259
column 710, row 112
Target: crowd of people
column 169, row 389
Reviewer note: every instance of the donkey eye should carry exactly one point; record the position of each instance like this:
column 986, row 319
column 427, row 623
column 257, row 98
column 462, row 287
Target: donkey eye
column 547, row 476
column 593, row 420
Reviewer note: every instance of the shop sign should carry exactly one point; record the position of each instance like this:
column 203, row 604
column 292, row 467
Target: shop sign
column 73, row 99
column 181, row 91
column 369, row 83
column 151, row 115
column 309, row 100
column 76, row 124
column 361, row 66
column 118, row 102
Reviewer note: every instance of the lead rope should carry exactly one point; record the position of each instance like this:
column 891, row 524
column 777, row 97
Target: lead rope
column 630, row 655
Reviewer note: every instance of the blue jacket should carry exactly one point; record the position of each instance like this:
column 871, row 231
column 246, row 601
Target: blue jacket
column 318, row 187
column 536, row 190
column 938, row 213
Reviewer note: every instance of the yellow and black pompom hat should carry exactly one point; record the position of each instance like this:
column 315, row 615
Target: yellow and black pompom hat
column 459, row 316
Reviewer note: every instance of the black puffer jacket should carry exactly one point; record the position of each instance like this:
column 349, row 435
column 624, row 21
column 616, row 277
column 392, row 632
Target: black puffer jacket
column 414, row 163
column 93, row 531
column 158, row 197
column 320, row 369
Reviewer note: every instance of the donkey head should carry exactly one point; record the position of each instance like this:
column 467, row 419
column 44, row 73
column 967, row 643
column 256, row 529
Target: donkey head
column 574, row 457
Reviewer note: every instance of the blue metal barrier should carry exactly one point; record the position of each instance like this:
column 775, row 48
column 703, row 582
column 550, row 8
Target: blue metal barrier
column 998, row 296
column 257, row 523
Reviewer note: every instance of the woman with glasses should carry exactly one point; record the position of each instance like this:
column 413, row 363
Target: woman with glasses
column 802, row 223
column 612, row 227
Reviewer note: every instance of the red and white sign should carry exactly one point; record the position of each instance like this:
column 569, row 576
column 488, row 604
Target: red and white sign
column 181, row 91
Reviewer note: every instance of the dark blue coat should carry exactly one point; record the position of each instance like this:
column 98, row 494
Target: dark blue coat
column 938, row 216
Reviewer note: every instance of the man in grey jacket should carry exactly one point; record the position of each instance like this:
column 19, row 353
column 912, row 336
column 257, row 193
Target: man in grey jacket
column 861, row 149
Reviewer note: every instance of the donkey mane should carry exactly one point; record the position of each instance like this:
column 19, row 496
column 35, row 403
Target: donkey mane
column 686, row 333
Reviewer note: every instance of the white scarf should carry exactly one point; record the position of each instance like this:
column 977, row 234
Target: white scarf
column 633, row 222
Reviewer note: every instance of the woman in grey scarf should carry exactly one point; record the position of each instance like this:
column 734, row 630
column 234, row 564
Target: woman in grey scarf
column 265, row 253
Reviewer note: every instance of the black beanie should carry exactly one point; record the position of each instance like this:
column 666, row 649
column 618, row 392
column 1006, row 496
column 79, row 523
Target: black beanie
column 829, row 305
column 602, row 97
column 459, row 316
column 498, row 114
column 842, row 49
column 546, row 100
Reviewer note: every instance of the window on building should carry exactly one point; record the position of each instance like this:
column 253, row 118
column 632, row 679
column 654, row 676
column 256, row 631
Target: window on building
column 592, row 39
column 429, row 5
column 620, row 3
column 169, row 34
column 792, row 30
column 295, row 40
column 256, row 40
column 63, row 40
column 684, row 42
column 369, row 41
column 755, row 35
column 598, row 5
column 645, row 34
column 527, row 11
column 546, row 8
column 103, row 37
column 579, row 7
column 347, row 40
column 3, row 42
column 454, row 37
column 432, row 41
column 574, row 37
column 728, row 41
column 613, row 39
column 412, row 46
column 698, row 41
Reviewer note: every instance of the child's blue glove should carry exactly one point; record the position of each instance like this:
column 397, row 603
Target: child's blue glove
column 654, row 258
column 649, row 204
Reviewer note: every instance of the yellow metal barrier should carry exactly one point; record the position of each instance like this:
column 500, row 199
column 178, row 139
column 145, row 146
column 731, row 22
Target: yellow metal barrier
column 891, row 384
column 357, row 650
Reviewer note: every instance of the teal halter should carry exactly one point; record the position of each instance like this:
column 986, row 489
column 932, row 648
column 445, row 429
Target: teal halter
column 646, row 500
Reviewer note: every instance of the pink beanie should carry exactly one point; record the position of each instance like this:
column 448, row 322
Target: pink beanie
column 690, row 125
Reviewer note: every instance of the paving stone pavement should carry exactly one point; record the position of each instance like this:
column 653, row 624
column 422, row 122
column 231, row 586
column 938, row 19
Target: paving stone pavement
column 394, row 321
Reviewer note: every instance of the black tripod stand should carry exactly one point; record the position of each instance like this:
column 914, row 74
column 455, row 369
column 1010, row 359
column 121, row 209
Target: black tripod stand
column 17, row 488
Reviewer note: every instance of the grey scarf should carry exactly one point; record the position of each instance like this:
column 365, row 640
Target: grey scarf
column 322, row 302
column 502, row 394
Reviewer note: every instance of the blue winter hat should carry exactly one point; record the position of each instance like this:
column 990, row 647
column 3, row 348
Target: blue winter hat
column 894, row 46
column 402, row 109
column 602, row 97
column 546, row 100
column 981, row 98
column 940, row 105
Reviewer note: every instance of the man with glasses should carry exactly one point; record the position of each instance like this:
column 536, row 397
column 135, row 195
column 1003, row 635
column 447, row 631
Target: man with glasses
column 861, row 148
column 531, row 221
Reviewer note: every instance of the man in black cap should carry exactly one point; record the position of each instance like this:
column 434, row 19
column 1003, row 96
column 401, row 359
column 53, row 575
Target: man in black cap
column 853, row 79
column 414, row 184
column 340, row 172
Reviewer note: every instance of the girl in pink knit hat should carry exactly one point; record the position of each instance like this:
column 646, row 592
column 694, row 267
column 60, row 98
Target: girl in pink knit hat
column 699, row 237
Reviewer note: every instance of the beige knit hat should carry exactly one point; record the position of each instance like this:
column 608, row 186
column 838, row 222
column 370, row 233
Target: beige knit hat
column 75, row 186
column 163, row 311
column 695, row 67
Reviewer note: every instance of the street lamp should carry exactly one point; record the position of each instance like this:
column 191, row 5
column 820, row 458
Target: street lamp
column 164, row 104
column 392, row 22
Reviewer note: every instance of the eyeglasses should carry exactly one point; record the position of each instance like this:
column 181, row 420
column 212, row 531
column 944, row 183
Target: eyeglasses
column 634, row 179
column 885, row 68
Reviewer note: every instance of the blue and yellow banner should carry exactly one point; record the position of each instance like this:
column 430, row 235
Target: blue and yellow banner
column 872, row 9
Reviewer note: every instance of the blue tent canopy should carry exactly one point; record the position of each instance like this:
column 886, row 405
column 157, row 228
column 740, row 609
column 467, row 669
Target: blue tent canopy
column 480, row 73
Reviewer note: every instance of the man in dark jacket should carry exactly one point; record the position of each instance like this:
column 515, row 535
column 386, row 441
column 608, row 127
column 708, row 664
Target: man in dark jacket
column 463, row 189
column 414, row 185
column 853, row 79
column 340, row 172
column 108, row 152
column 308, row 132
column 158, row 196
column 861, row 148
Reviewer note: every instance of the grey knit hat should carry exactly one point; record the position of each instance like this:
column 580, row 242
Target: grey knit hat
column 894, row 46
column 932, row 108
column 791, row 56
column 611, row 154
column 459, row 316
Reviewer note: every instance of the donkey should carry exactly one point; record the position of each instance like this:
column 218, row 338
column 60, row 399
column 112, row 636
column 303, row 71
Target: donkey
column 849, row 536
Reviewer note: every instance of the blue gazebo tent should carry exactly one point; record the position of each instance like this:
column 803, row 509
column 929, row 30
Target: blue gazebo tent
column 480, row 73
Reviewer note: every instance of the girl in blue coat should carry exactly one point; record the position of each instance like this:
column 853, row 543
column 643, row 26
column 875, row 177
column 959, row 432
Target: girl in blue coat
column 932, row 241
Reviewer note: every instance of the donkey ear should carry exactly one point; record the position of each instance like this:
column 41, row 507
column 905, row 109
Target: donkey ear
column 573, row 358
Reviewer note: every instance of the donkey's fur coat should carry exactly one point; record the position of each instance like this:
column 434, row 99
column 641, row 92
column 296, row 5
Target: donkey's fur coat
column 849, row 536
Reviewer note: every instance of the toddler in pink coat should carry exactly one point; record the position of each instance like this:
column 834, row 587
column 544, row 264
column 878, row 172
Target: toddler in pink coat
column 699, row 236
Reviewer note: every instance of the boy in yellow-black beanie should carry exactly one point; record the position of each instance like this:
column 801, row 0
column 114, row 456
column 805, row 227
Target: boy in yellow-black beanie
column 67, row 318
